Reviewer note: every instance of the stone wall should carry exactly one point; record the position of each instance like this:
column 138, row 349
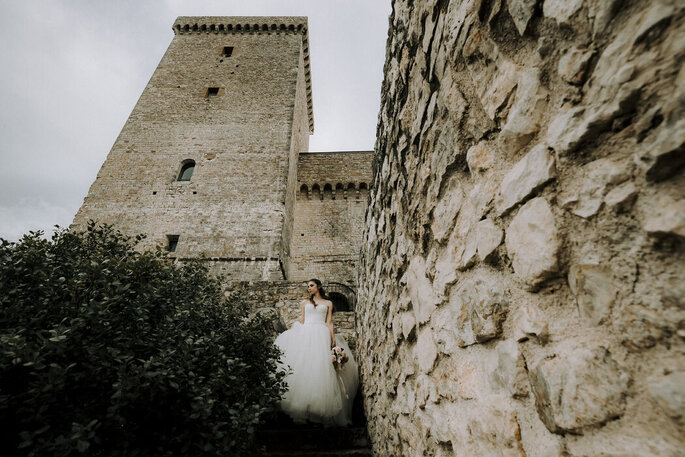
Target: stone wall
column 329, row 215
column 522, row 283
column 244, row 141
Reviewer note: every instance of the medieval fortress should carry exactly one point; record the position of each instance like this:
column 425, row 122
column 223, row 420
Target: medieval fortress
column 513, row 262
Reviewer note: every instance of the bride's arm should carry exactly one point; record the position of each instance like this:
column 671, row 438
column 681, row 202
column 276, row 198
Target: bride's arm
column 329, row 322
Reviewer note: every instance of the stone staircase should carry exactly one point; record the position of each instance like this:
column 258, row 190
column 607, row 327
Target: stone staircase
column 283, row 438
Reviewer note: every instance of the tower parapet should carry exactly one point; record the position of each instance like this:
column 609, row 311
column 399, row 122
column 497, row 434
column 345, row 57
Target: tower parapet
column 254, row 25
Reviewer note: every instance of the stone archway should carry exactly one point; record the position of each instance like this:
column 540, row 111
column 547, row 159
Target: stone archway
column 343, row 297
column 340, row 302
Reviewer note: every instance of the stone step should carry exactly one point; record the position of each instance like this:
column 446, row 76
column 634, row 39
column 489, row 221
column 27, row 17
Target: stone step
column 312, row 438
column 366, row 452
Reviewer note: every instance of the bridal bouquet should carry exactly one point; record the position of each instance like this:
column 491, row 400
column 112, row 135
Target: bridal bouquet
column 339, row 357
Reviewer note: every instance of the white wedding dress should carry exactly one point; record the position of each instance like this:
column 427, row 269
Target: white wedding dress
column 316, row 390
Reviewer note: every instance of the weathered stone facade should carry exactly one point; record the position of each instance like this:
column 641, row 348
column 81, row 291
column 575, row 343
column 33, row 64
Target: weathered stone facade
column 522, row 285
column 240, row 208
column 329, row 215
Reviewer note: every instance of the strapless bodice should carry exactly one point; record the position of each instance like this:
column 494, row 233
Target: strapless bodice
column 315, row 314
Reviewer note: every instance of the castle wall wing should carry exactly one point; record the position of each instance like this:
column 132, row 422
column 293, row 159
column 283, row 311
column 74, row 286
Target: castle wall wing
column 329, row 215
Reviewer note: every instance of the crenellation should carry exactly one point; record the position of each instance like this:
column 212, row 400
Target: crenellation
column 270, row 25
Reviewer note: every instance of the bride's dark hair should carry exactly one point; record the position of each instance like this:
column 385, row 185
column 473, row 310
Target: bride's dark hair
column 321, row 291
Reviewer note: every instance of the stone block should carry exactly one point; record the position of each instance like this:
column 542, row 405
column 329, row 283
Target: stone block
column 529, row 322
column 664, row 216
column 480, row 158
column 507, row 371
column 669, row 393
column 596, row 177
column 568, row 129
column 479, row 306
column 425, row 351
column 664, row 156
column 408, row 323
column 521, row 11
column 421, row 293
column 532, row 171
column 488, row 238
column 573, row 65
column 595, row 291
column 533, row 242
column 621, row 197
column 578, row 387
column 642, row 328
column 561, row 11
column 525, row 114
column 601, row 13
column 469, row 379
column 487, row 427
column 446, row 210
column 502, row 82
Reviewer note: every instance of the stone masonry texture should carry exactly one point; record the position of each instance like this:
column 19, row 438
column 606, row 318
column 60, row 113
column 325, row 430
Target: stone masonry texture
column 239, row 210
column 522, row 276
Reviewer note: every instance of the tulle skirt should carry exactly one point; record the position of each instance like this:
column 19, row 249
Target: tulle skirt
column 316, row 390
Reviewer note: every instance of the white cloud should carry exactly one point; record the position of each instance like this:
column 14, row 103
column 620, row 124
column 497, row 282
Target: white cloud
column 32, row 214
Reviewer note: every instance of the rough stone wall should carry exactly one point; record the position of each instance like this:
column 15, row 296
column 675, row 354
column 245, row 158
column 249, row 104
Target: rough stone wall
column 280, row 301
column 332, row 193
column 522, row 283
column 242, row 141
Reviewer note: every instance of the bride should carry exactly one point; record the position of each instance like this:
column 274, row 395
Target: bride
column 317, row 391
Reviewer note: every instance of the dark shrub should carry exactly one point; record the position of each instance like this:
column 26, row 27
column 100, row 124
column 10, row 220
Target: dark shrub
column 108, row 351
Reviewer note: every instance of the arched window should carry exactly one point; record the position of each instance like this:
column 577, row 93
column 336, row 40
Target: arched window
column 327, row 191
column 186, row 170
column 363, row 191
column 340, row 302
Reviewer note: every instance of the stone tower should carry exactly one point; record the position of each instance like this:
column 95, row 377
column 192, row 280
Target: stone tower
column 213, row 164
column 206, row 163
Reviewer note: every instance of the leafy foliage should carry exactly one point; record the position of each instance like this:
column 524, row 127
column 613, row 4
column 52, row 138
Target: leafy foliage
column 109, row 351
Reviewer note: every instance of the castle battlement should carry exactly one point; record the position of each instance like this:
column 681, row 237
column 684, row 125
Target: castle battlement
column 185, row 25
column 338, row 176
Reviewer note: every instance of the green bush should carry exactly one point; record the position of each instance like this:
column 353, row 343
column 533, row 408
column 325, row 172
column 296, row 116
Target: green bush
column 108, row 351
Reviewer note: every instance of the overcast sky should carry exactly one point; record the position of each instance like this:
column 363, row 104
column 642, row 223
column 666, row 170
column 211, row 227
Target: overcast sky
column 72, row 71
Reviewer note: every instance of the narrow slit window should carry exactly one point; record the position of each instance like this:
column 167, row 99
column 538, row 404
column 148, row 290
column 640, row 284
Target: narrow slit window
column 227, row 51
column 172, row 242
column 212, row 92
column 186, row 171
